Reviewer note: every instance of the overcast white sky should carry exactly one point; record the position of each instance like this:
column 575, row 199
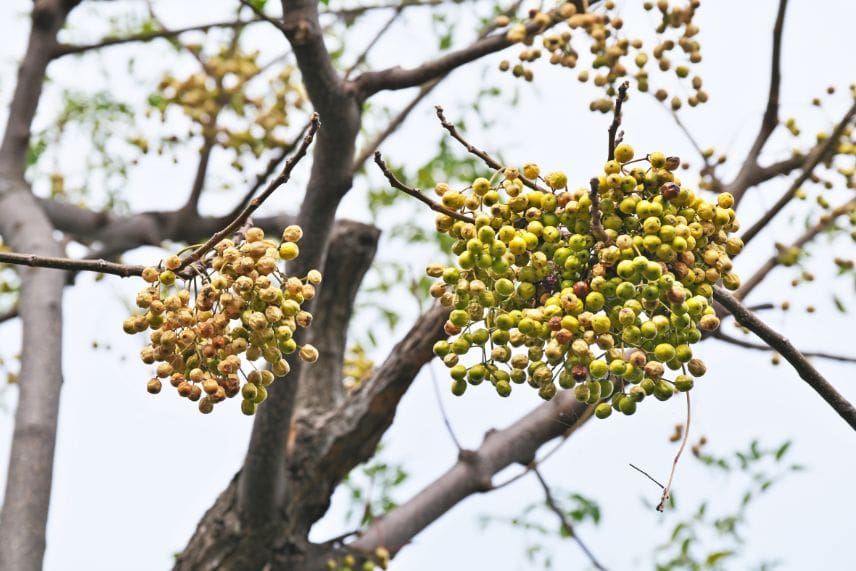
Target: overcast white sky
column 133, row 473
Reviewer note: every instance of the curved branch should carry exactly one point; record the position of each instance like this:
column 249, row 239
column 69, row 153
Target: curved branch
column 780, row 343
column 70, row 264
column 726, row 338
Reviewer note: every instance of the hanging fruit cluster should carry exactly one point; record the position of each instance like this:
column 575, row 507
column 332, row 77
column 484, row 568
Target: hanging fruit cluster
column 243, row 308
column 602, row 290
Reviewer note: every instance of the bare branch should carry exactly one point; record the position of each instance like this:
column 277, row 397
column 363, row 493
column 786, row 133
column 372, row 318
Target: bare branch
column 70, row 264
column 199, row 178
column 596, row 225
column 564, row 521
column 416, row 193
column 722, row 336
column 262, row 16
column 616, row 119
column 771, row 113
column 780, row 343
column 811, row 161
column 825, row 221
column 69, row 49
column 254, row 204
column 378, row 35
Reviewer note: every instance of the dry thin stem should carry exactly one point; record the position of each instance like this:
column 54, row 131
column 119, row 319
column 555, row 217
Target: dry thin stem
column 596, row 225
column 262, row 16
column 442, row 407
column 722, row 336
column 668, row 488
column 780, row 343
column 472, row 149
column 647, row 475
column 616, row 119
column 563, row 519
column 416, row 193
column 254, row 204
column 825, row 221
column 364, row 54
column 811, row 161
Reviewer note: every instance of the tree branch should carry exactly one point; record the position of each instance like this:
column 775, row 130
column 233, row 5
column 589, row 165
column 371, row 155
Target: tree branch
column 780, row 343
column 616, row 119
column 726, row 338
column 254, row 204
column 416, row 193
column 472, row 473
column 68, row 49
column 566, row 524
column 69, row 264
column 811, row 161
column 771, row 113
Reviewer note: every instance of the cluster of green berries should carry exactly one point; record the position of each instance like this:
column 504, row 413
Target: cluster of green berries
column 542, row 293
column 610, row 49
column 244, row 308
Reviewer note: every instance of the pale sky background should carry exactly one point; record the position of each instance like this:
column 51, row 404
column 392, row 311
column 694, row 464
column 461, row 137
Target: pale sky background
column 134, row 473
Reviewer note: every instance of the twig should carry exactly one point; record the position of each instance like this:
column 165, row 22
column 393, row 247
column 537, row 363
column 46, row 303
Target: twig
column 824, row 222
column 596, row 225
column 383, row 29
column 472, row 149
column 102, row 266
column 68, row 49
column 616, row 118
column 254, row 204
column 668, row 488
column 442, row 407
column 563, row 519
column 9, row 314
column 780, row 343
column 649, row 476
column 811, row 161
column 262, row 16
column 416, row 193
column 725, row 337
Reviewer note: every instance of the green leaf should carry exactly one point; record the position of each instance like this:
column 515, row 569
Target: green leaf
column 715, row 557
column 782, row 450
column 839, row 305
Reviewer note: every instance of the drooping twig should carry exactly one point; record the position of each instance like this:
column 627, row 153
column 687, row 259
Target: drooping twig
column 780, row 343
column 725, row 337
column 668, row 488
column 416, row 193
column 596, row 225
column 442, row 407
column 811, row 161
column 616, row 118
column 472, row 149
column 254, row 204
column 563, row 519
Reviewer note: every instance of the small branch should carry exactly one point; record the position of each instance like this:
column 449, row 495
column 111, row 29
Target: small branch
column 616, row 118
column 667, row 490
column 69, row 49
column 199, row 179
column 383, row 29
column 596, row 225
column 472, row 149
column 825, row 221
column 442, row 407
column 647, row 475
column 781, row 344
column 811, row 161
column 563, row 519
column 10, row 314
column 259, row 200
column 262, row 16
column 719, row 334
column 417, row 194
column 101, row 266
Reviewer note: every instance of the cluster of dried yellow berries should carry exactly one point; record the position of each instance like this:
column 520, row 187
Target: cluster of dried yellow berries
column 610, row 49
column 379, row 560
column 602, row 290
column 243, row 309
column 257, row 123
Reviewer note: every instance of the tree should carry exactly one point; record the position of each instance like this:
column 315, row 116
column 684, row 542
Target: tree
column 311, row 432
